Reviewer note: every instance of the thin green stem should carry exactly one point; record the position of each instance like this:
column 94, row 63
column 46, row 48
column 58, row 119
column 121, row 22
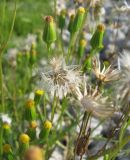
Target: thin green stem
column 3, row 47
column 39, row 113
column 11, row 30
column 55, row 11
column 1, row 86
column 1, row 141
column 71, row 43
column 55, row 101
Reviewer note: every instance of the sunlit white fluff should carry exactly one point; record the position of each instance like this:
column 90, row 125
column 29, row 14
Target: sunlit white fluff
column 124, row 60
column 94, row 102
column 59, row 79
column 104, row 74
column 5, row 118
column 31, row 39
column 124, row 8
column 123, row 85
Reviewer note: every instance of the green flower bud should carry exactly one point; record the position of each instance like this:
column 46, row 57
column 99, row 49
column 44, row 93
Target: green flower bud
column 6, row 132
column 87, row 64
column 70, row 26
column 19, row 57
column 97, row 38
column 23, row 142
column 81, row 49
column 47, row 125
column 38, row 95
column 7, row 148
column 30, row 110
column 32, row 54
column 32, row 130
column 7, row 152
column 49, row 32
column 62, row 18
column 78, row 21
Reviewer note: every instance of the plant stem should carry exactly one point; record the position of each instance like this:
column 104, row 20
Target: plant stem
column 55, row 4
column 71, row 43
column 54, row 107
column 1, row 86
column 1, row 53
column 1, row 141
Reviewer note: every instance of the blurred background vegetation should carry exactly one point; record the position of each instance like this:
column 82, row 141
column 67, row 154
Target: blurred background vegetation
column 28, row 18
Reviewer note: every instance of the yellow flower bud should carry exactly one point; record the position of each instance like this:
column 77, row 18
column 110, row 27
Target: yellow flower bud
column 101, row 27
column 78, row 21
column 6, row 148
column 39, row 92
column 97, row 38
column 81, row 10
column 24, row 138
column 30, row 103
column 47, row 125
column 33, row 124
column 6, row 126
column 30, row 110
column 81, row 49
column 83, row 42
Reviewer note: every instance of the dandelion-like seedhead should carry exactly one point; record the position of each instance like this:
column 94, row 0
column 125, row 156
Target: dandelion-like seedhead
column 60, row 79
column 124, row 60
column 123, row 85
column 105, row 74
column 94, row 102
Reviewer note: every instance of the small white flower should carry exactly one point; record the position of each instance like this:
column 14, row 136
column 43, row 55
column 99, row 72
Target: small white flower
column 59, row 79
column 5, row 118
column 105, row 74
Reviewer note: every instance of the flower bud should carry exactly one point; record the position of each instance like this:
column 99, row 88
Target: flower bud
column 7, row 148
column 19, row 57
column 32, row 130
column 81, row 49
column 78, row 21
column 24, row 142
column 47, row 125
column 70, row 26
column 30, row 110
column 97, row 38
column 33, row 153
column 24, row 138
column 7, row 152
column 32, row 54
column 6, row 131
column 87, row 64
column 38, row 95
column 62, row 18
column 49, row 32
